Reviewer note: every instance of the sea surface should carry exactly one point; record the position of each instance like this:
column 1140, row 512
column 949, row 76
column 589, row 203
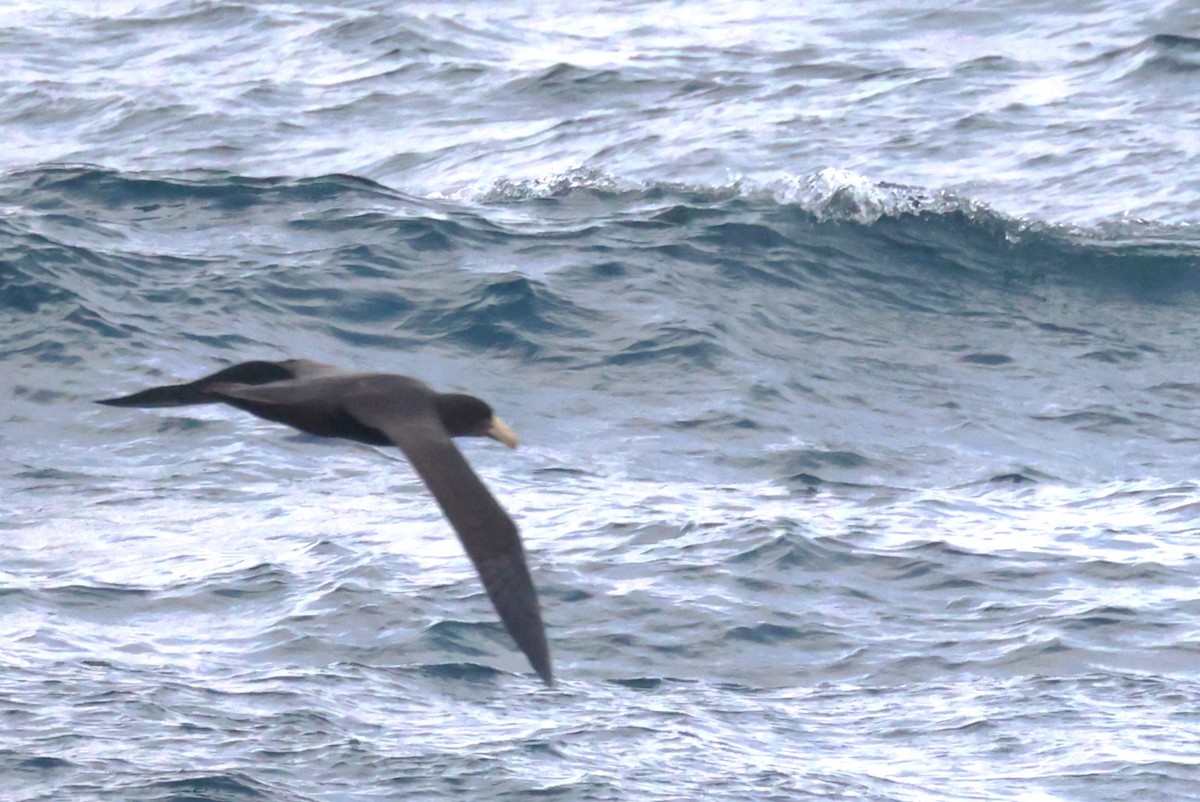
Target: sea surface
column 853, row 347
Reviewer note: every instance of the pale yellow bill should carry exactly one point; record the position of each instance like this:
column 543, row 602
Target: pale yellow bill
column 502, row 432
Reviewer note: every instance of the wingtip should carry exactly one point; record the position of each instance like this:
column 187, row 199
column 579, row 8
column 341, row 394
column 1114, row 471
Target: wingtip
column 539, row 661
column 545, row 674
column 507, row 582
column 171, row 395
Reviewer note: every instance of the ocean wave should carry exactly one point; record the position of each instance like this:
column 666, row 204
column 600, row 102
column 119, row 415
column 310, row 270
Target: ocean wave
column 1162, row 57
column 584, row 275
column 840, row 196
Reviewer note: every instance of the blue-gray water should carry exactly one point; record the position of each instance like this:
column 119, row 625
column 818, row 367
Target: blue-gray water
column 853, row 349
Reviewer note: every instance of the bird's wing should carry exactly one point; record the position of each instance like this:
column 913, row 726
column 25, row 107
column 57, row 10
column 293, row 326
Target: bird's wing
column 304, row 369
column 197, row 392
column 485, row 529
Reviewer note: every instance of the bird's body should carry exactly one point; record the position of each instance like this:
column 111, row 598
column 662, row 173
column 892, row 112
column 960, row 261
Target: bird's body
column 383, row 409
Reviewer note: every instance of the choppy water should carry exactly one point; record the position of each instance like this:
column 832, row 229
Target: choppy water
column 853, row 350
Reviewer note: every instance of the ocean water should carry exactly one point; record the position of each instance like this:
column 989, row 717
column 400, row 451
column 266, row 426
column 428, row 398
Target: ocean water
column 853, row 347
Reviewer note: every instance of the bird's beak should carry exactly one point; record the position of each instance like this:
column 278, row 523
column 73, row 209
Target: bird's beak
column 499, row 430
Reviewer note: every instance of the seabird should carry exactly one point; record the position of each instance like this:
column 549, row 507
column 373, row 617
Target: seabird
column 387, row 409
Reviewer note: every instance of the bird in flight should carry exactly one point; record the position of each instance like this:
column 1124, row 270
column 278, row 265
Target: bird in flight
column 387, row 409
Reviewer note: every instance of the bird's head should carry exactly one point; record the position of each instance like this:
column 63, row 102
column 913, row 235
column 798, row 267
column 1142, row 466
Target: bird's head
column 467, row 416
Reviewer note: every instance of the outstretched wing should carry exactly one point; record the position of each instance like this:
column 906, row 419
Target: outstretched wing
column 197, row 392
column 487, row 532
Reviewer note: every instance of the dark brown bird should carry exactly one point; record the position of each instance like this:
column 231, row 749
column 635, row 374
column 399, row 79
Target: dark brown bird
column 386, row 409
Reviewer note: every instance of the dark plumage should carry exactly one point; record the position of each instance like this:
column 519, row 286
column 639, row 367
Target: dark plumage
column 383, row 409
